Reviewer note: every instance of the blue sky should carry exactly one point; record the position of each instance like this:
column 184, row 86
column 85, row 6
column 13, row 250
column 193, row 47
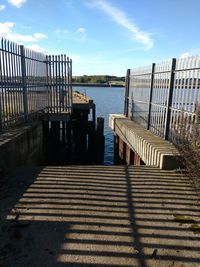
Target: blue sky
column 104, row 36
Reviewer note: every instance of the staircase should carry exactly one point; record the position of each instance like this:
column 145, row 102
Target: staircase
column 98, row 216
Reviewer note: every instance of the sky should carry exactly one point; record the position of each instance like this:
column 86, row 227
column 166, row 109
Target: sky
column 104, row 36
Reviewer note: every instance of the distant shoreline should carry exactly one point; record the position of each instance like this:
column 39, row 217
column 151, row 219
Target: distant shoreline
column 97, row 85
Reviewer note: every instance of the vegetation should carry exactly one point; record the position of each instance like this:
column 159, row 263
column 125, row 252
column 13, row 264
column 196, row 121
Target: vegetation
column 183, row 219
column 195, row 228
column 98, row 79
column 189, row 147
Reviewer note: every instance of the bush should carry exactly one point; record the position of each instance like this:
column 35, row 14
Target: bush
column 188, row 144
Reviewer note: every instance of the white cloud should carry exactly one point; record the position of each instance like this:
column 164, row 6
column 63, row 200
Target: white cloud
column 121, row 18
column 5, row 28
column 17, row 3
column 81, row 30
column 17, row 37
column 2, row 7
column 6, row 31
column 39, row 36
column 80, row 34
column 37, row 48
column 186, row 54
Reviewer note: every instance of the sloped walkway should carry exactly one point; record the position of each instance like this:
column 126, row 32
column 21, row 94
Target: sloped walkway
column 98, row 216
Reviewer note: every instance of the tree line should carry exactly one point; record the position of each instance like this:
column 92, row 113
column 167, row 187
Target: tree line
column 100, row 79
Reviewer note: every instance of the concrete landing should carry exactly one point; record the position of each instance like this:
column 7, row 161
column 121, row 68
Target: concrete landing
column 153, row 150
column 97, row 216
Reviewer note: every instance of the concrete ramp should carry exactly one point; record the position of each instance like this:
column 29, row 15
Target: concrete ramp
column 98, row 216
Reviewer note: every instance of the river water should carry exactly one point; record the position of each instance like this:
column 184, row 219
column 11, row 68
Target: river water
column 108, row 100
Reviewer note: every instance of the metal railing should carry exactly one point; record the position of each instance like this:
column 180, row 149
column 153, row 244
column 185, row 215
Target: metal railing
column 59, row 80
column 31, row 82
column 162, row 97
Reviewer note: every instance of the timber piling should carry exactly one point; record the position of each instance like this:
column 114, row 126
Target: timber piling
column 75, row 138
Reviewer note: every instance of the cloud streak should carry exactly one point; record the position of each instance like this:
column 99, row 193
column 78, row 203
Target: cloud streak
column 78, row 35
column 120, row 17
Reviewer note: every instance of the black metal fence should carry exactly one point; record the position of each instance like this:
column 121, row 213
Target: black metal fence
column 31, row 82
column 162, row 97
column 59, row 81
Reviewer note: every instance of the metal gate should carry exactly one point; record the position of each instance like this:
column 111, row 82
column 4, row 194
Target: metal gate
column 59, row 84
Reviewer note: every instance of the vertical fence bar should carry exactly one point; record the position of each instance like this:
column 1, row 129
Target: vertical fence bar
column 58, row 83
column 169, row 102
column 62, row 83
column 126, row 103
column 68, row 87
column 47, row 83
column 150, row 96
column 4, row 90
column 1, row 91
column 1, row 118
column 70, row 82
column 24, row 87
column 65, row 83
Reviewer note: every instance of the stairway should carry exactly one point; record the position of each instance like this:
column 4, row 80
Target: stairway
column 98, row 216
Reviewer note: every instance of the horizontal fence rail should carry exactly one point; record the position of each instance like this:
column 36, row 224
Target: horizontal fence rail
column 162, row 97
column 31, row 82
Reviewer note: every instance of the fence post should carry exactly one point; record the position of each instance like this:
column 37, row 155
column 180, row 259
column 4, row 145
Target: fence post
column 1, row 118
column 71, row 89
column 151, row 94
column 126, row 102
column 169, row 101
column 1, row 92
column 24, row 85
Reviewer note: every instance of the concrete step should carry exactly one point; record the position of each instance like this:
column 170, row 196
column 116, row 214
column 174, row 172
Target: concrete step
column 98, row 216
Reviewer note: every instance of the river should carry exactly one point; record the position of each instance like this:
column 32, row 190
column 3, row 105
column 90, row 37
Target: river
column 108, row 100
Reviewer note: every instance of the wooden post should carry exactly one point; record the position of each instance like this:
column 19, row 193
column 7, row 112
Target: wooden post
column 150, row 97
column 63, row 133
column 126, row 101
column 91, row 142
column 169, row 102
column 100, row 141
column 24, row 85
column 45, row 130
column 122, row 151
column 94, row 115
column 69, row 136
column 55, row 134
column 128, row 154
column 116, row 149
column 131, row 157
column 136, row 159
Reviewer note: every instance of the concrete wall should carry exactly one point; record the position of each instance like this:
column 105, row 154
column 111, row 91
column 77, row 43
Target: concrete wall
column 147, row 147
column 22, row 146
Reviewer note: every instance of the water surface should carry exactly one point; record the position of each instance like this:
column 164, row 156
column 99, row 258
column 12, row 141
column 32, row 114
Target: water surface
column 108, row 100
